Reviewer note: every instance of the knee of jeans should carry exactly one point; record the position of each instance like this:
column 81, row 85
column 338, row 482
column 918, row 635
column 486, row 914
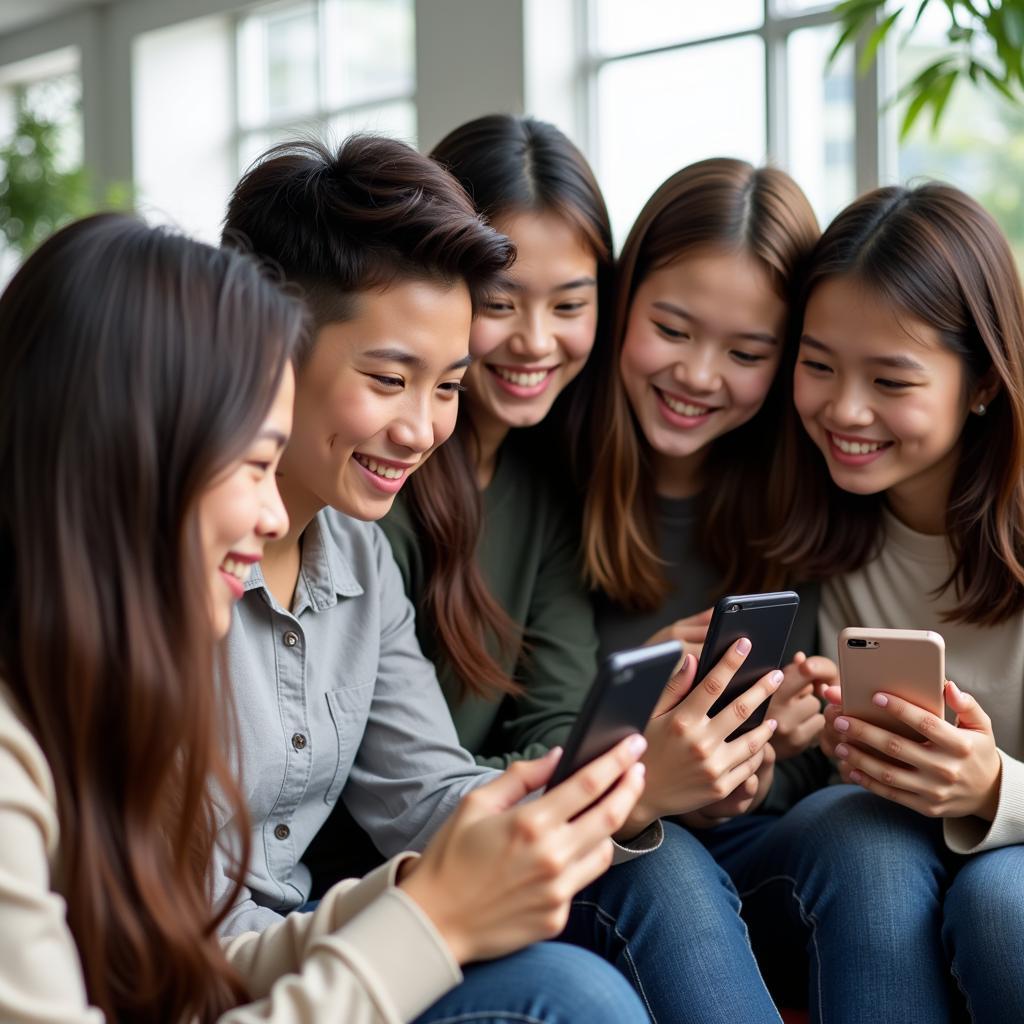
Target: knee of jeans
column 986, row 899
column 681, row 856
column 579, row 985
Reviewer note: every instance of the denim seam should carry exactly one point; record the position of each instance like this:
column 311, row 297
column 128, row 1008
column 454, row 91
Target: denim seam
column 614, row 925
column 807, row 918
column 959, row 985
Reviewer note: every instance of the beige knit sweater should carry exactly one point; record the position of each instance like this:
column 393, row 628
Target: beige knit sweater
column 368, row 955
column 897, row 590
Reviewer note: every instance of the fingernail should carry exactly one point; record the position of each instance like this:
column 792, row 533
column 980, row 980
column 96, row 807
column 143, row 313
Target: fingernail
column 855, row 776
column 639, row 769
column 842, row 751
column 554, row 753
column 637, row 744
column 880, row 699
column 775, row 679
column 743, row 645
column 772, row 724
column 685, row 663
column 843, row 724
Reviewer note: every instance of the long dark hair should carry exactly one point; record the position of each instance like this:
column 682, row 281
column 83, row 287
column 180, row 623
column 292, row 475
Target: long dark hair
column 135, row 364
column 507, row 165
column 725, row 204
column 934, row 253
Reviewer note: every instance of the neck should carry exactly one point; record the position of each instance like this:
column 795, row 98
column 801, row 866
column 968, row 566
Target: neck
column 679, row 477
column 489, row 435
column 282, row 557
column 922, row 501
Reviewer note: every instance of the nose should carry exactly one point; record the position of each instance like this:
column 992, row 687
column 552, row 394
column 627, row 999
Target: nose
column 698, row 370
column 414, row 428
column 848, row 407
column 272, row 523
column 533, row 337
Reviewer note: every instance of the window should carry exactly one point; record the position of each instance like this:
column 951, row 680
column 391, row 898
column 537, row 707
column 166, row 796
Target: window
column 328, row 66
column 668, row 83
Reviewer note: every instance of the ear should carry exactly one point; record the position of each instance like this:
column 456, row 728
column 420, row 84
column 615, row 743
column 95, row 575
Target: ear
column 984, row 392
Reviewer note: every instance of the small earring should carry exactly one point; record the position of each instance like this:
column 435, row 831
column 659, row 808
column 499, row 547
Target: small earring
column 981, row 408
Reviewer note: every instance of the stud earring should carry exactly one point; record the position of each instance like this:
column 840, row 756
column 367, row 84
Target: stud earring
column 981, row 408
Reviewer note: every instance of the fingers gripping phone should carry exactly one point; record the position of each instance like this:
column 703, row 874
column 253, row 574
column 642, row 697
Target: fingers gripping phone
column 765, row 620
column 619, row 703
column 909, row 663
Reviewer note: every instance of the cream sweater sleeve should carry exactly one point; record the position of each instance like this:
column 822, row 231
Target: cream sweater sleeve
column 973, row 835
column 368, row 954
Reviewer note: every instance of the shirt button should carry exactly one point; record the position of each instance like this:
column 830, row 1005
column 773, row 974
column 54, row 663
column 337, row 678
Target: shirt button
column 291, row 638
column 298, row 741
column 282, row 831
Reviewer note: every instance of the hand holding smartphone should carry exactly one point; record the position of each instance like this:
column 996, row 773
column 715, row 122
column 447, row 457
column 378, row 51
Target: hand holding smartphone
column 765, row 620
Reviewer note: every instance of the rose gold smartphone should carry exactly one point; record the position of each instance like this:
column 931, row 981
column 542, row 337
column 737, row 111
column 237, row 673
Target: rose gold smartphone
column 910, row 663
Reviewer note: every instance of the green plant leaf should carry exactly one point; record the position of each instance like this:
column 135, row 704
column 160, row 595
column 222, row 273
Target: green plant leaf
column 854, row 15
column 874, row 41
column 940, row 96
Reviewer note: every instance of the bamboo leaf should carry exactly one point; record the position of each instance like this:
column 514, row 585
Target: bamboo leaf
column 875, row 39
column 940, row 97
column 853, row 16
column 913, row 110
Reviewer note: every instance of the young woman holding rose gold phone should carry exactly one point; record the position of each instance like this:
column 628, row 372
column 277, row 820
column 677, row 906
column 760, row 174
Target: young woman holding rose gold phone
column 146, row 393
column 906, row 496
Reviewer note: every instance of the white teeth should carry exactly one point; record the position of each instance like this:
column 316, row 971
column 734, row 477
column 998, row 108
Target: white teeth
column 684, row 408
column 240, row 570
column 524, row 380
column 857, row 447
column 386, row 472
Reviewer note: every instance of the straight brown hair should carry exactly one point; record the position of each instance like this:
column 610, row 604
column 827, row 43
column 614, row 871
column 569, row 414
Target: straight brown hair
column 934, row 253
column 135, row 365
column 508, row 165
column 720, row 204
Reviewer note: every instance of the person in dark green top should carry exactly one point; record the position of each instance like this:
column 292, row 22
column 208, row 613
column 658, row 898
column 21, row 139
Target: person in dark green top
column 487, row 538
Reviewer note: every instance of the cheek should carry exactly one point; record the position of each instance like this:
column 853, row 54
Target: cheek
column 641, row 357
column 485, row 336
column 444, row 421
column 807, row 395
column 749, row 387
column 578, row 338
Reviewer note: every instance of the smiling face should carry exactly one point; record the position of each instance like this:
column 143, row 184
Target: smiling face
column 377, row 394
column 533, row 336
column 703, row 342
column 882, row 397
column 241, row 510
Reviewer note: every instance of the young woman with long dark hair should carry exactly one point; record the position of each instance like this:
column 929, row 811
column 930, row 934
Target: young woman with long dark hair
column 905, row 495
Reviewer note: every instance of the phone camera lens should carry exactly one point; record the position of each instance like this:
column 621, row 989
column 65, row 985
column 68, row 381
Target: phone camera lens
column 734, row 607
column 856, row 643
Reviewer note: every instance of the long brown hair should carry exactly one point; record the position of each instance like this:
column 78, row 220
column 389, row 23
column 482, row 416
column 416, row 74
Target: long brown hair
column 508, row 165
column 934, row 253
column 725, row 204
column 344, row 222
column 134, row 365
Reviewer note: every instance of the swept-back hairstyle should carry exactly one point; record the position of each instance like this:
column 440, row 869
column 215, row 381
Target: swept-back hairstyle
column 343, row 223
column 721, row 205
column 935, row 254
column 135, row 364
column 508, row 165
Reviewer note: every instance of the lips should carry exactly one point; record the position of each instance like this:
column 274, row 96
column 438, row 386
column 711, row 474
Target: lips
column 385, row 475
column 855, row 451
column 522, row 381
column 683, row 412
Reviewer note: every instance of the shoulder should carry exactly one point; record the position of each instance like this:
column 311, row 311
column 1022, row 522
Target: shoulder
column 360, row 545
column 26, row 783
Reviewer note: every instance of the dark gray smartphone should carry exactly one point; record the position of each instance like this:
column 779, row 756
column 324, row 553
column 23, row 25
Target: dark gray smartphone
column 765, row 620
column 619, row 703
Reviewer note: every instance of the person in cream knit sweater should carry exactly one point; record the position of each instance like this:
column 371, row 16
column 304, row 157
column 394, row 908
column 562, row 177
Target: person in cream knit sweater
column 146, row 393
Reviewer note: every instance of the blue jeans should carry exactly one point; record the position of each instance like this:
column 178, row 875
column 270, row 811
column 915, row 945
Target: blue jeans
column 670, row 921
column 895, row 927
column 547, row 983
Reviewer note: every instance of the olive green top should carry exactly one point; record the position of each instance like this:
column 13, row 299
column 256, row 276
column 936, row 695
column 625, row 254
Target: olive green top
column 528, row 557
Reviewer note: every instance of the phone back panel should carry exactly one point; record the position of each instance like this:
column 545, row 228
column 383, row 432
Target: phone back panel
column 765, row 620
column 619, row 703
column 909, row 663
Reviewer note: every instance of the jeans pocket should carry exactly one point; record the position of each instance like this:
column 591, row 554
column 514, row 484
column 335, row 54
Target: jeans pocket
column 349, row 710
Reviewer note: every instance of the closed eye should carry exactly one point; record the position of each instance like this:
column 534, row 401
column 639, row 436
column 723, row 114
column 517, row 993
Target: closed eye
column 452, row 387
column 386, row 380
column 815, row 366
column 670, row 332
column 893, row 385
column 570, row 307
column 747, row 357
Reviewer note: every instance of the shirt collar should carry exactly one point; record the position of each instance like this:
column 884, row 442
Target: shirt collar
column 324, row 575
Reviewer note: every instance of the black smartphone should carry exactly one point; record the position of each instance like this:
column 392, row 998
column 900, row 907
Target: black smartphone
column 619, row 703
column 765, row 620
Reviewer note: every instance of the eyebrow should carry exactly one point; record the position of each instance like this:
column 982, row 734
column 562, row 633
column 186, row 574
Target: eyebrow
column 579, row 282
column 893, row 362
column 403, row 358
column 273, row 435
column 671, row 307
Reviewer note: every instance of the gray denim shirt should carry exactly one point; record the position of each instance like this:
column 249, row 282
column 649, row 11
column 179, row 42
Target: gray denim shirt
column 336, row 700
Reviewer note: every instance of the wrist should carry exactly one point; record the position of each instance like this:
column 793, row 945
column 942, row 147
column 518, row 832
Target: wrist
column 989, row 804
column 639, row 820
column 419, row 889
